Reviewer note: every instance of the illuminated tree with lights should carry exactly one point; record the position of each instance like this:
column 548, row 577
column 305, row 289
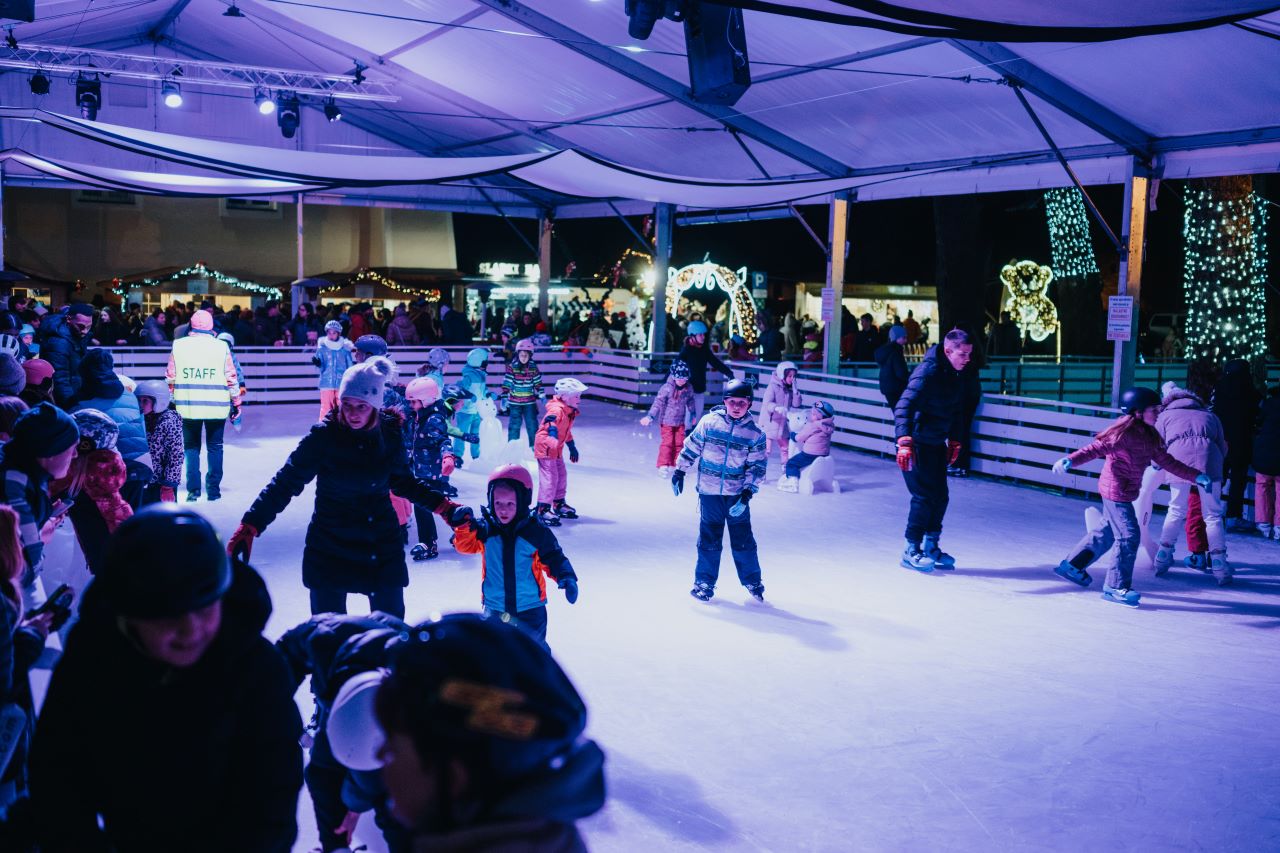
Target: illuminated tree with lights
column 1069, row 241
column 1224, row 278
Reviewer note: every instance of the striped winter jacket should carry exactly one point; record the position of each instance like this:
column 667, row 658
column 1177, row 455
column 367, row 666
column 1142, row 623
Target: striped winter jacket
column 25, row 490
column 518, row 557
column 730, row 454
column 522, row 384
column 673, row 404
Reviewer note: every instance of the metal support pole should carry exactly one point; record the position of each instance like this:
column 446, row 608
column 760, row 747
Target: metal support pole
column 301, row 262
column 837, row 252
column 664, row 223
column 545, row 225
column 1133, row 237
column 1, row 216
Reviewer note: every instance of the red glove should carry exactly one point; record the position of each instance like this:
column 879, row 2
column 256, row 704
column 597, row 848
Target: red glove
column 906, row 456
column 242, row 540
column 446, row 465
column 168, row 494
column 953, row 452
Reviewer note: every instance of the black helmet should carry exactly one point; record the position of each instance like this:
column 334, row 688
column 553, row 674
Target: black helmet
column 165, row 561
column 371, row 345
column 738, row 388
column 477, row 688
column 1134, row 400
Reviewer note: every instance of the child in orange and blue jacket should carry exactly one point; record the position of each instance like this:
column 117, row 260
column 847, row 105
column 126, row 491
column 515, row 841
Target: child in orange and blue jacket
column 555, row 433
column 520, row 553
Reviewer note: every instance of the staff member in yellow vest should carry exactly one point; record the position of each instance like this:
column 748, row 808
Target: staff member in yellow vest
column 202, row 377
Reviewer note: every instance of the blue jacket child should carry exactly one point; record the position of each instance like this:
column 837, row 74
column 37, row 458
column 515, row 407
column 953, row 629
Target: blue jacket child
column 519, row 554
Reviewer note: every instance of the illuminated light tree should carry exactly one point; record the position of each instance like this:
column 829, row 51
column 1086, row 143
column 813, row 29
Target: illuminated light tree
column 1225, row 271
column 1069, row 240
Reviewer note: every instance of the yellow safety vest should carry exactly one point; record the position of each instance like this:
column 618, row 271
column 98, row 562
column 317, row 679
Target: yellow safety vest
column 200, row 389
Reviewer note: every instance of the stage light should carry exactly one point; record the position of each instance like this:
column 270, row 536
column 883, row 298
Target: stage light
column 332, row 111
column 171, row 92
column 39, row 84
column 288, row 115
column 263, row 101
column 233, row 11
column 88, row 96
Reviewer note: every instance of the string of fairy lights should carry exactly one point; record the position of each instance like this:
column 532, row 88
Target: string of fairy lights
column 198, row 270
column 1069, row 240
column 1224, row 275
column 431, row 294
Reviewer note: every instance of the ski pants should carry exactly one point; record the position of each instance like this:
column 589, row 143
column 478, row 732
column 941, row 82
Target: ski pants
column 799, row 462
column 328, row 401
column 669, row 449
column 1197, row 534
column 388, row 600
column 1237, row 471
column 426, row 521
column 468, row 423
column 1266, row 510
column 533, row 620
column 1119, row 526
column 927, row 483
column 191, row 432
column 553, row 480
column 526, row 413
column 1211, row 504
column 715, row 514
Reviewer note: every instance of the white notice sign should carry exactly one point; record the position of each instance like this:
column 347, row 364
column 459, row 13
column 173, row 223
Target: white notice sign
column 1120, row 318
column 828, row 304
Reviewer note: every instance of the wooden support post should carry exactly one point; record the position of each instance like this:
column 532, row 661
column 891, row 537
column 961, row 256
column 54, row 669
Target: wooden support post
column 837, row 252
column 545, row 224
column 1133, row 239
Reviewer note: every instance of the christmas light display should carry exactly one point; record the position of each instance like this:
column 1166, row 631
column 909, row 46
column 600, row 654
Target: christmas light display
column 431, row 294
column 708, row 276
column 1225, row 271
column 199, row 270
column 1028, row 301
column 1069, row 240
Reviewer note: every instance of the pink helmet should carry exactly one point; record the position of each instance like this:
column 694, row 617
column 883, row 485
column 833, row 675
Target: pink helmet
column 423, row 389
column 524, row 345
column 518, row 476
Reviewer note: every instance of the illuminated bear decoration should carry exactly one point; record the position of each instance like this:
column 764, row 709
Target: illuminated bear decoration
column 1029, row 303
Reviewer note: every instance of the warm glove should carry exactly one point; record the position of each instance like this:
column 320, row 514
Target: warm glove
column 553, row 432
column 446, row 465
column 570, row 587
column 906, row 456
column 791, row 435
column 315, row 359
column 460, row 515
column 241, row 543
column 677, row 482
column 1062, row 466
column 1204, row 482
column 470, row 438
column 573, row 452
column 168, row 494
column 745, row 497
column 953, row 452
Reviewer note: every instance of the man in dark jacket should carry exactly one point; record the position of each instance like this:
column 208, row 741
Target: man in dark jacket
column 170, row 722
column 455, row 329
column 1235, row 402
column 927, row 426
column 64, row 339
column 893, row 366
column 698, row 355
column 864, row 341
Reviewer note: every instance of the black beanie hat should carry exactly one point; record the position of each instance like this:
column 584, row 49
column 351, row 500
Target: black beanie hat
column 44, row 431
column 82, row 308
column 12, row 377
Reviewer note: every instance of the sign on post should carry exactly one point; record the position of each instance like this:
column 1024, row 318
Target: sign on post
column 828, row 304
column 1120, row 318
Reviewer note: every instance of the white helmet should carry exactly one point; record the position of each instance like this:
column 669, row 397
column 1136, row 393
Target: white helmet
column 354, row 734
column 10, row 344
column 569, row 385
column 156, row 389
column 783, row 366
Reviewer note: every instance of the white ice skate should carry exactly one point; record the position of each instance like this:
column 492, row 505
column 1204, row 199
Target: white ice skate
column 789, row 484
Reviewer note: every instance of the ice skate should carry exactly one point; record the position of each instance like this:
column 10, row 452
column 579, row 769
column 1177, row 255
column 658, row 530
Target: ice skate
column 1127, row 597
column 422, row 552
column 664, row 471
column 1238, row 525
column 1265, row 529
column 192, row 497
column 915, row 558
column 1198, row 561
column 547, row 516
column 1221, row 569
column 757, row 590
column 1071, row 573
column 1163, row 559
column 704, row 591
column 789, row 484
column 941, row 559
column 563, row 510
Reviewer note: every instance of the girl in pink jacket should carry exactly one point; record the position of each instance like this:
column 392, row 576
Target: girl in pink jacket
column 781, row 395
column 1129, row 445
column 814, row 441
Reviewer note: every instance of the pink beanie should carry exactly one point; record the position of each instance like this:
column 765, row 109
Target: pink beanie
column 202, row 321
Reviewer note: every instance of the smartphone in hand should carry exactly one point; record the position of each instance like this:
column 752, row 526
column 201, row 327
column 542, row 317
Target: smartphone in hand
column 59, row 604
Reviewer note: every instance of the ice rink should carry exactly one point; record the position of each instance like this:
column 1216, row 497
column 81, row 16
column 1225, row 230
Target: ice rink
column 868, row 707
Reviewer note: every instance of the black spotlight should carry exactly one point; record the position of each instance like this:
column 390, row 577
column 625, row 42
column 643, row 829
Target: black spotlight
column 287, row 115
column 643, row 14
column 88, row 96
column 39, row 84
column 331, row 110
column 233, row 11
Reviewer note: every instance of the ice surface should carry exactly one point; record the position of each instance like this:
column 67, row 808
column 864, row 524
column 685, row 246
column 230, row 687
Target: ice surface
column 870, row 707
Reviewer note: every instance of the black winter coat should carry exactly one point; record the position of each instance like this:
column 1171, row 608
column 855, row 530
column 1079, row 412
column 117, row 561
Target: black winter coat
column 1266, row 446
column 341, row 645
column 893, row 372
column 1235, row 402
column 204, row 758
column 698, row 358
column 64, row 349
column 931, row 408
column 353, row 543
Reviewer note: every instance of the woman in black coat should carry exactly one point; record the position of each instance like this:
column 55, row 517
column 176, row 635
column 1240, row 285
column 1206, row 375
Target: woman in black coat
column 357, row 458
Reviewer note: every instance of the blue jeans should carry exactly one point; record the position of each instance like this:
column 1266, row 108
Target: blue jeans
column 526, row 413
column 468, row 423
column 715, row 514
column 797, row 463
column 1119, row 524
column 213, row 431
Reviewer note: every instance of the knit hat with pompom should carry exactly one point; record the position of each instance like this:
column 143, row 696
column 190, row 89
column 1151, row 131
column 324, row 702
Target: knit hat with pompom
column 367, row 381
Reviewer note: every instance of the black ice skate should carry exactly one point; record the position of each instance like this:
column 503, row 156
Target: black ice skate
column 704, row 591
column 756, row 590
column 422, row 552
column 548, row 516
column 563, row 510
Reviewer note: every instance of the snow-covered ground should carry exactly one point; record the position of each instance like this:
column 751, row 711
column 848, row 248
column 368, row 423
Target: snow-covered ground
column 869, row 707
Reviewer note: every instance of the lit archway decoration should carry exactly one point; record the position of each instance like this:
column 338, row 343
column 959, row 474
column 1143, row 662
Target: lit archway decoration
column 708, row 276
column 1028, row 301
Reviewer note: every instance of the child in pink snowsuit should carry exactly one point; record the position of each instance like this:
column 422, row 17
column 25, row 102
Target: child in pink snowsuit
column 781, row 396
column 672, row 407
column 555, row 433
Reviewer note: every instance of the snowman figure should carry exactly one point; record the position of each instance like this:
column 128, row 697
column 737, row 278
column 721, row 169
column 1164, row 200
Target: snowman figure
column 820, row 474
column 493, row 437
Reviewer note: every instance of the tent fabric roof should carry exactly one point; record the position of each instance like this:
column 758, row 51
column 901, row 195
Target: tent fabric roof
column 915, row 100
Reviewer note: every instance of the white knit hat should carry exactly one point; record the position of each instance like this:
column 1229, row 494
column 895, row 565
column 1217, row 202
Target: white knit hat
column 367, row 381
